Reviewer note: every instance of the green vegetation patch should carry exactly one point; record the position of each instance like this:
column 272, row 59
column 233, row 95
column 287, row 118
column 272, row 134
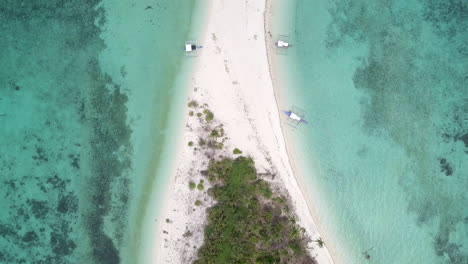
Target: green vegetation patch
column 198, row 202
column 200, row 186
column 209, row 116
column 214, row 133
column 190, row 144
column 213, row 144
column 246, row 225
column 192, row 185
column 193, row 104
column 237, row 151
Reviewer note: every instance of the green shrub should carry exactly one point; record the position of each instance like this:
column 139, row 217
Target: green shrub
column 190, row 113
column 190, row 144
column 278, row 200
column 237, row 151
column 193, row 104
column 192, row 185
column 209, row 116
column 214, row 133
column 198, row 202
column 199, row 114
column 200, row 186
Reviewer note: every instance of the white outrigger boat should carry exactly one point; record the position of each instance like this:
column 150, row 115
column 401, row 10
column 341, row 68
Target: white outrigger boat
column 295, row 117
column 283, row 44
column 191, row 48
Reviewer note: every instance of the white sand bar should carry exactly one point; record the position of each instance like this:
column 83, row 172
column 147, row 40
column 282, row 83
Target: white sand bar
column 232, row 76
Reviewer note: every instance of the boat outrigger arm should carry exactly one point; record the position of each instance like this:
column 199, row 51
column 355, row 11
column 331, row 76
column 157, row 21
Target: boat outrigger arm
column 295, row 117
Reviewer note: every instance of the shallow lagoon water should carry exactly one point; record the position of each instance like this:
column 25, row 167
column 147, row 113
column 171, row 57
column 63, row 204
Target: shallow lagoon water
column 384, row 86
column 87, row 92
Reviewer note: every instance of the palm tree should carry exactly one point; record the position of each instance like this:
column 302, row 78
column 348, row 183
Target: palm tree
column 320, row 242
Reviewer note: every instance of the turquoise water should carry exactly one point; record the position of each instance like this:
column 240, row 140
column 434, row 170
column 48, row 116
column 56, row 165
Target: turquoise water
column 87, row 97
column 384, row 85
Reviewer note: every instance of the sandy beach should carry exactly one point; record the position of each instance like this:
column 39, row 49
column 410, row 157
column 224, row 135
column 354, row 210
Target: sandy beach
column 232, row 79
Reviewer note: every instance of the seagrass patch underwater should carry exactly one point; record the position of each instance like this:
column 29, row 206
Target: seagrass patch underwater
column 68, row 129
column 60, row 126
